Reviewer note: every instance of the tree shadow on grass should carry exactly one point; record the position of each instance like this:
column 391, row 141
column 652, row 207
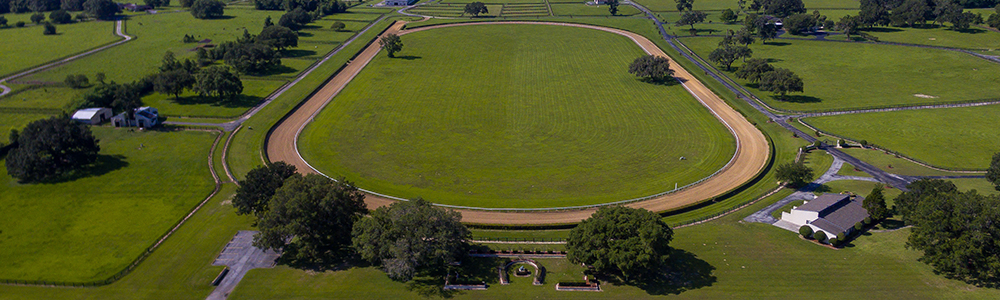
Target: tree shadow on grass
column 293, row 53
column 797, row 99
column 408, row 57
column 778, row 44
column 969, row 30
column 684, row 272
column 305, row 34
column 104, row 165
column 278, row 70
column 334, row 262
column 238, row 101
column 882, row 29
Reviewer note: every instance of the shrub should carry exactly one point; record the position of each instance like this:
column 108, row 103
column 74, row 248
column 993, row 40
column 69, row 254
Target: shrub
column 19, row 24
column 864, row 143
column 61, row 17
column 207, row 9
column 338, row 26
column 37, row 18
column 841, row 237
column 859, row 226
column 49, row 29
column 77, row 81
column 868, row 220
column 820, row 236
column 186, row 3
column 3, row 21
column 806, row 231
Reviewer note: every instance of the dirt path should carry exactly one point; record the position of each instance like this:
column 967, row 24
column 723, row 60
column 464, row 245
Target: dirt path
column 751, row 155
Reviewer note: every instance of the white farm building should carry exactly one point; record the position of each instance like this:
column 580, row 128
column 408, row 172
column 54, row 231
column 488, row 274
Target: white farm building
column 92, row 116
column 829, row 213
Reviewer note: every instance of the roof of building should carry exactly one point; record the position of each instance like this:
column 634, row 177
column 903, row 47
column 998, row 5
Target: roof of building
column 86, row 113
column 837, row 213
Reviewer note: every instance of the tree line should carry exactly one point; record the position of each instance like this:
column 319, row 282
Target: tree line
column 317, row 221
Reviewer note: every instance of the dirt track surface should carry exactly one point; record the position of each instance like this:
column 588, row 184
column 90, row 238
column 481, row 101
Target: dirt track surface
column 751, row 155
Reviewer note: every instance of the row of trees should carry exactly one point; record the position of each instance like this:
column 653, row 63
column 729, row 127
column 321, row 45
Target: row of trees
column 208, row 9
column 319, row 221
column 315, row 8
column 768, row 78
column 212, row 81
column 100, row 9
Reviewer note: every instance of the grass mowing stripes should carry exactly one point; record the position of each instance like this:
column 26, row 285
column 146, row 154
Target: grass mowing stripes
column 931, row 135
column 92, row 227
column 894, row 75
column 523, row 134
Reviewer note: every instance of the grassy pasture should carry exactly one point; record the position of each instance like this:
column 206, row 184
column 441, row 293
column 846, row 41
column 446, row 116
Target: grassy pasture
column 930, row 136
column 973, row 38
column 190, row 104
column 12, row 121
column 521, row 135
column 26, row 47
column 92, row 227
column 580, row 9
column 894, row 75
column 54, row 97
column 715, row 5
column 898, row 165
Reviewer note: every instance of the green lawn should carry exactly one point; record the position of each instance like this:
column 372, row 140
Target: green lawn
column 850, row 170
column 191, row 105
column 953, row 138
column 893, row 75
column 981, row 185
column 671, row 6
column 900, row 166
column 92, row 227
column 862, row 188
column 12, row 121
column 580, row 9
column 54, row 97
column 973, row 38
column 26, row 47
column 818, row 161
column 521, row 135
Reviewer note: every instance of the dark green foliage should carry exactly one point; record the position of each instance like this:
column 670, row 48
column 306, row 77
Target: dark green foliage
column 651, row 67
column 956, row 231
column 100, row 77
column 3, row 21
column 993, row 172
column 157, row 3
column 255, row 191
column 875, row 204
column 218, row 81
column 795, row 174
column 728, row 16
column 120, row 97
column 251, row 58
column 612, row 6
column 169, row 62
column 4, row 6
column 874, row 12
column 278, row 37
column 806, row 231
column 859, row 226
column 994, row 20
column 683, row 5
column 727, row 54
column 49, row 29
column 295, row 19
column 173, row 82
column 964, row 20
column 101, row 9
column 60, row 17
column 338, row 26
column 315, row 213
column 268, row 4
column 783, row 8
column 207, row 9
column 49, row 148
column 19, row 24
column 780, row 81
column 36, row 5
column 798, row 24
column 820, row 236
column 689, row 18
column 189, row 39
column 186, row 3
column 619, row 240
column 77, row 81
column 391, row 43
column 743, row 37
column 409, row 236
column 476, row 8
column 332, row 7
column 37, row 18
column 909, row 13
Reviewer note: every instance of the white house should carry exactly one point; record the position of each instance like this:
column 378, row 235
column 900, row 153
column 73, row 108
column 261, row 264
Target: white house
column 143, row 117
column 92, row 116
column 829, row 213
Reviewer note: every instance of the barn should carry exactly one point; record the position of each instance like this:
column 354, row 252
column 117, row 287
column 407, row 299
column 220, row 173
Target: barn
column 92, row 116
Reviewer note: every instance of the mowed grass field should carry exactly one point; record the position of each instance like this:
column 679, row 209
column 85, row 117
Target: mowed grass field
column 156, row 34
column 26, row 47
column 514, row 116
column 94, row 226
column 893, row 75
column 952, row 138
column 712, row 5
column 974, row 38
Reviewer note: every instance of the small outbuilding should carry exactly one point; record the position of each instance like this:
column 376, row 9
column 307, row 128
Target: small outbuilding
column 830, row 213
column 92, row 116
column 143, row 117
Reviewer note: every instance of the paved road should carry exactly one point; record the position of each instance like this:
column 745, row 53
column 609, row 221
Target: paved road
column 240, row 256
column 805, row 193
column 751, row 155
column 118, row 31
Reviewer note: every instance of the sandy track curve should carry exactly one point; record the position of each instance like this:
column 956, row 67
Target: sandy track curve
column 751, row 155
